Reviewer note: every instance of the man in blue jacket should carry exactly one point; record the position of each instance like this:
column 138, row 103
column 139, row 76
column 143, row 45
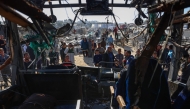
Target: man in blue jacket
column 110, row 40
column 85, row 46
column 129, row 58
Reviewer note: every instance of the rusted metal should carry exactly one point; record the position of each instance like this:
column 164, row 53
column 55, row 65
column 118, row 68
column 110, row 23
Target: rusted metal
column 174, row 5
column 179, row 19
column 183, row 15
column 13, row 16
column 143, row 61
column 183, row 20
column 153, row 42
column 27, row 8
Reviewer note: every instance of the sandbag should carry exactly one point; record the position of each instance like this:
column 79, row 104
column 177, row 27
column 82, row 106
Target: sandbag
column 39, row 101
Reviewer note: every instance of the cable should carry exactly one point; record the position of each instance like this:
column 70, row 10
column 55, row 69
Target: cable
column 74, row 11
column 72, row 23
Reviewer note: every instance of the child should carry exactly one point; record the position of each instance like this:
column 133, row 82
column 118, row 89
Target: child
column 97, row 58
column 66, row 61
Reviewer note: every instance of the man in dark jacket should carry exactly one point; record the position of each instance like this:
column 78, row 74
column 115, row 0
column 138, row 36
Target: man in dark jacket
column 27, row 61
column 129, row 58
column 103, row 43
column 108, row 57
column 119, row 56
column 63, row 47
column 85, row 47
column 30, row 51
column 97, row 58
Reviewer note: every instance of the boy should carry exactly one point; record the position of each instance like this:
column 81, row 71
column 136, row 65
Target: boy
column 119, row 56
column 97, row 58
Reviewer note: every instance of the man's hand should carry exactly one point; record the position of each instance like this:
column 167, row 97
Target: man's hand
column 8, row 61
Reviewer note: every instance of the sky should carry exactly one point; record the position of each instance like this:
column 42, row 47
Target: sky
column 124, row 14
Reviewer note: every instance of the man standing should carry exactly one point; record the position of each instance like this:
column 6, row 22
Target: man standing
column 30, row 51
column 3, row 43
column 85, row 47
column 110, row 40
column 119, row 56
column 89, row 47
column 93, row 47
column 6, row 71
column 115, row 32
column 63, row 47
column 70, row 51
column 103, row 43
column 108, row 57
column 129, row 58
column 101, row 49
column 164, row 54
column 27, row 61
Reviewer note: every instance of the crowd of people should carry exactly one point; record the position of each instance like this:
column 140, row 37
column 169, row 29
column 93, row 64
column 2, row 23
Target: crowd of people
column 101, row 53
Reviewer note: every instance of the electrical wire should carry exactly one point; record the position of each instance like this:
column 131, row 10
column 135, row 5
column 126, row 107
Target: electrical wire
column 74, row 10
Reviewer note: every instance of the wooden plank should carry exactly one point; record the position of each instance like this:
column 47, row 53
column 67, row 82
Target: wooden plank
column 27, row 8
column 178, row 5
column 183, row 20
column 13, row 16
column 111, row 90
column 143, row 60
column 121, row 102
